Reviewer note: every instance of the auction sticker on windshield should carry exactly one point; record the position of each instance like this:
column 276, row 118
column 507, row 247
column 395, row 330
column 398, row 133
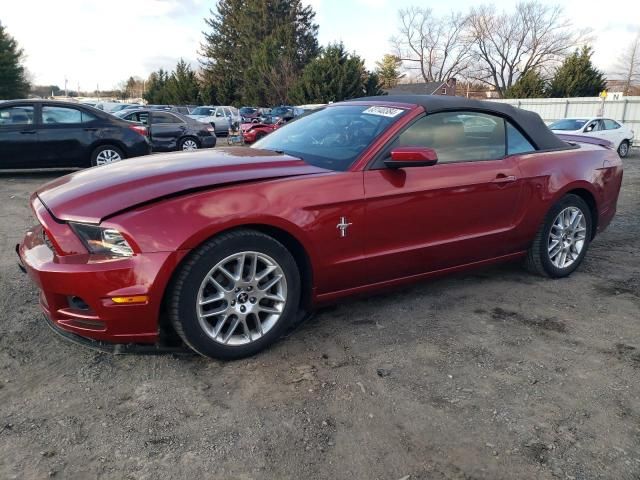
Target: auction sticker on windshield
column 384, row 111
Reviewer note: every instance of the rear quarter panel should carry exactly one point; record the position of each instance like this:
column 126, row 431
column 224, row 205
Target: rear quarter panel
column 548, row 176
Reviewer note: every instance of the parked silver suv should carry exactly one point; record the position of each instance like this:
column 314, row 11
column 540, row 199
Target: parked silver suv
column 220, row 117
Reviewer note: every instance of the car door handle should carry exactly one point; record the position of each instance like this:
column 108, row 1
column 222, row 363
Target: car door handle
column 28, row 132
column 90, row 129
column 501, row 178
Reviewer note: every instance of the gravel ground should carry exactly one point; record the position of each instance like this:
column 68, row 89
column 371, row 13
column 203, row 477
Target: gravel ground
column 494, row 374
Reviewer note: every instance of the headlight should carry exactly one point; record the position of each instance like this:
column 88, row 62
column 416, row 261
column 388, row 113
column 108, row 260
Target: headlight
column 99, row 240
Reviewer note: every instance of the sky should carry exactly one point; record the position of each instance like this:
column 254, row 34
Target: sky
column 95, row 43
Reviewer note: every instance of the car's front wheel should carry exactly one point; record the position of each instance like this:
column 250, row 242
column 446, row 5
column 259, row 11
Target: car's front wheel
column 623, row 149
column 235, row 295
column 562, row 240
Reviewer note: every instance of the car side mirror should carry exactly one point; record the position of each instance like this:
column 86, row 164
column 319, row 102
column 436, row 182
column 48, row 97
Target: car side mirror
column 402, row 157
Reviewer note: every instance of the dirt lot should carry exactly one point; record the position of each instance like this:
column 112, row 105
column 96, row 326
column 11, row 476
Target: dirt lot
column 490, row 375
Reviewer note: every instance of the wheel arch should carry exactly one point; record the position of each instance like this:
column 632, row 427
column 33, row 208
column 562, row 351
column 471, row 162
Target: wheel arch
column 108, row 141
column 184, row 137
column 289, row 240
column 590, row 199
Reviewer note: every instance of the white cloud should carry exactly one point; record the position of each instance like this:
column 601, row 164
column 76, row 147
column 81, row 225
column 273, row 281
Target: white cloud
column 102, row 42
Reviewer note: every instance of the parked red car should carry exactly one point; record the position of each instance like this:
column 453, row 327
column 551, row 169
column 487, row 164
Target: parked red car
column 229, row 247
column 252, row 132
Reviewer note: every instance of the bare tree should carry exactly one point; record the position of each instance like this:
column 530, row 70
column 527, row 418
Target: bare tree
column 436, row 47
column 507, row 45
column 629, row 65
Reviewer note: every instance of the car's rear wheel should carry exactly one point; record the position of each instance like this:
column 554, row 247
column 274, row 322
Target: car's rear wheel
column 235, row 295
column 106, row 154
column 623, row 149
column 188, row 144
column 562, row 240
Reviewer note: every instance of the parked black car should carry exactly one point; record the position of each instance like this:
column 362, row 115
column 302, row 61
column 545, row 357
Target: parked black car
column 53, row 134
column 172, row 131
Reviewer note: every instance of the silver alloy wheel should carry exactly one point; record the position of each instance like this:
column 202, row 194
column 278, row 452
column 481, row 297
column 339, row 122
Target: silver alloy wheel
column 189, row 144
column 567, row 237
column 623, row 149
column 242, row 298
column 107, row 156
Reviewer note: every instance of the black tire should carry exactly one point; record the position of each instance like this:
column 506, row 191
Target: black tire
column 260, row 136
column 104, row 148
column 182, row 294
column 623, row 149
column 182, row 141
column 537, row 260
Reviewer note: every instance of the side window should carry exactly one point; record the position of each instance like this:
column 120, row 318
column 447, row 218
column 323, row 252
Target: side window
column 592, row 127
column 88, row 117
column 162, row 117
column 16, row 115
column 227, row 112
column 610, row 124
column 143, row 117
column 60, row 115
column 516, row 143
column 219, row 112
column 458, row 136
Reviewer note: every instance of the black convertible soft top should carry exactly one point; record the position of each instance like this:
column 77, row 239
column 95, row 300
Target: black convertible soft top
column 528, row 122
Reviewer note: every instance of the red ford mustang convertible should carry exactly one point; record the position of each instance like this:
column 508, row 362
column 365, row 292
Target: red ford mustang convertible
column 228, row 248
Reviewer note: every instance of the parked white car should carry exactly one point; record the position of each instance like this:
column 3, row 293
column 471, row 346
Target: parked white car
column 617, row 133
column 220, row 118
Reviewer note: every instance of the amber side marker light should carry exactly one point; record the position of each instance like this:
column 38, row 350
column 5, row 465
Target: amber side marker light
column 129, row 300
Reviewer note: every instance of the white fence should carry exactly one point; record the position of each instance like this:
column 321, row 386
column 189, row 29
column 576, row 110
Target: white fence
column 626, row 110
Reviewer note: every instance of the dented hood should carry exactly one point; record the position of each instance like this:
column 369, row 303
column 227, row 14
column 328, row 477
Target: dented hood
column 91, row 195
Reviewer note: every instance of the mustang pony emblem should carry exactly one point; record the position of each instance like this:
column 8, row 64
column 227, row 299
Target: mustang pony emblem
column 342, row 226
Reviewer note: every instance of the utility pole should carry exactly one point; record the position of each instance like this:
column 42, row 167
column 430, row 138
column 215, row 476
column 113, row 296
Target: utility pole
column 66, row 92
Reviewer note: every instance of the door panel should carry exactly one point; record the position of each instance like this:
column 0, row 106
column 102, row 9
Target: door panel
column 423, row 219
column 19, row 147
column 459, row 211
column 65, row 136
column 165, row 130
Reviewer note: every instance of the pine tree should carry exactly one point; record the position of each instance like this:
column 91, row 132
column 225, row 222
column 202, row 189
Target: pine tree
column 388, row 69
column 333, row 76
column 156, row 92
column 182, row 86
column 577, row 77
column 529, row 85
column 250, row 42
column 13, row 79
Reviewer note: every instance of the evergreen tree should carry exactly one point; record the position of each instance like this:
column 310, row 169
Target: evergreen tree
column 333, row 76
column 373, row 85
column 13, row 79
column 529, row 85
column 388, row 69
column 182, row 86
column 577, row 77
column 250, row 42
column 156, row 92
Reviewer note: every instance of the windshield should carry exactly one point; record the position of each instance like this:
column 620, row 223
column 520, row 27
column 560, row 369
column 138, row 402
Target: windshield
column 206, row 111
column 569, row 124
column 334, row 137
